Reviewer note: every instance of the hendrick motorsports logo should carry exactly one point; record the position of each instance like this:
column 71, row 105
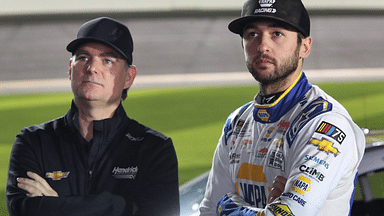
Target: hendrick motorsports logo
column 125, row 173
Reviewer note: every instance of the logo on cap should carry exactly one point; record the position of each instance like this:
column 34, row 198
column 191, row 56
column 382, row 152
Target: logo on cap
column 266, row 7
column 266, row 3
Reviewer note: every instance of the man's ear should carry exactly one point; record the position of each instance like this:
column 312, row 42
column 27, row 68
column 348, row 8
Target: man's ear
column 131, row 74
column 305, row 49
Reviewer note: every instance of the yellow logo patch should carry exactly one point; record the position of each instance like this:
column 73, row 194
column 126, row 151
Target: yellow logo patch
column 263, row 115
column 325, row 145
column 301, row 185
column 281, row 210
column 251, row 172
column 57, row 175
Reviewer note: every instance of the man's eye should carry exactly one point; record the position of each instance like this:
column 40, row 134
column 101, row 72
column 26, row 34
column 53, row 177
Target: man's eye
column 81, row 58
column 278, row 34
column 252, row 34
column 108, row 61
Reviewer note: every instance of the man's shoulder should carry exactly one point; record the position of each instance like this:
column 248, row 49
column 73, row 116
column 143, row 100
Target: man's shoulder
column 45, row 127
column 137, row 131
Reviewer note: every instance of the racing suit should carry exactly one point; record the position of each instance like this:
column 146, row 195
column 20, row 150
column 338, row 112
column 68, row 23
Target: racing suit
column 305, row 136
column 125, row 163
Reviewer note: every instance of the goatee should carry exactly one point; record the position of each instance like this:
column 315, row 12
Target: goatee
column 282, row 71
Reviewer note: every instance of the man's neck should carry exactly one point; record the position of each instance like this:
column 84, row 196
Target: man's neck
column 90, row 111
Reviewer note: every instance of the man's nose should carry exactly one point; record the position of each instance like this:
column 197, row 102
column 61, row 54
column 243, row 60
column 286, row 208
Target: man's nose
column 94, row 66
column 263, row 44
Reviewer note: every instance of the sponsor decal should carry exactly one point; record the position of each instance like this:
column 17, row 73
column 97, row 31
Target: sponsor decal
column 241, row 128
column 238, row 126
column 314, row 109
column 262, row 153
column 266, row 3
column 276, row 160
column 251, row 172
column 331, row 131
column 267, row 137
column 276, row 157
column 56, row 175
column 317, row 160
column 303, row 101
column 220, row 209
column 125, row 173
column 294, row 197
column 255, row 195
column 266, row 7
column 283, row 126
column 311, row 172
column 233, row 158
column 326, row 146
column 246, row 142
column 281, row 210
column 263, row 115
column 134, row 139
column 301, row 185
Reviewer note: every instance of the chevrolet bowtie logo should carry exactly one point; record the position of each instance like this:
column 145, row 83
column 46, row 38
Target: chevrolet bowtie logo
column 325, row 145
column 57, row 175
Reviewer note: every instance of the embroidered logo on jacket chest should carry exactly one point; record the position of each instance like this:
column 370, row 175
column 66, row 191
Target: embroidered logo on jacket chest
column 125, row 173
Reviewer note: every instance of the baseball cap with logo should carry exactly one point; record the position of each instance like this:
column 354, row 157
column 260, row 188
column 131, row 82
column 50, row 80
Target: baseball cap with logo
column 291, row 12
column 108, row 31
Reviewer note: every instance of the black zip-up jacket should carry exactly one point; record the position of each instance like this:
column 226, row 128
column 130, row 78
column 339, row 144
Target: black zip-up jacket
column 125, row 163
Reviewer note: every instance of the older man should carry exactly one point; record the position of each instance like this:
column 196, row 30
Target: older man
column 94, row 160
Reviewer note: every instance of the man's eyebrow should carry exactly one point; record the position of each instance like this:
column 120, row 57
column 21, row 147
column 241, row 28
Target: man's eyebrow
column 104, row 54
column 282, row 25
column 272, row 25
column 80, row 52
column 111, row 54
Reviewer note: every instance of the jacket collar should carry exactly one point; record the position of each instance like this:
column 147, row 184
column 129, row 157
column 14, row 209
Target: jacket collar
column 107, row 128
column 273, row 112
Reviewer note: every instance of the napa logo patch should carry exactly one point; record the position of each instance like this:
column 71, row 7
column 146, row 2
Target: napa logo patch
column 281, row 210
column 57, row 175
column 301, row 185
column 266, row 7
column 255, row 192
column 326, row 146
column 263, row 115
column 331, row 131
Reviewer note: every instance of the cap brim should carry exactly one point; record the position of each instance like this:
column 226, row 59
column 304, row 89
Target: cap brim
column 72, row 46
column 237, row 25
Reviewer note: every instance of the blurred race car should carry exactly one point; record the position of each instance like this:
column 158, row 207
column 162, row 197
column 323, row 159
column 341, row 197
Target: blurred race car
column 192, row 192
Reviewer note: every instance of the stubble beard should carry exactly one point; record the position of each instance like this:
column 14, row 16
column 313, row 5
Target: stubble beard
column 281, row 72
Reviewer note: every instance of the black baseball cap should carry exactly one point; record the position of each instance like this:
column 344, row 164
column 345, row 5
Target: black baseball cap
column 108, row 31
column 291, row 12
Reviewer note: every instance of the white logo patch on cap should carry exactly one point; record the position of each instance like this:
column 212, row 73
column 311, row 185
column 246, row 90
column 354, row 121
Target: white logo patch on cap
column 266, row 7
